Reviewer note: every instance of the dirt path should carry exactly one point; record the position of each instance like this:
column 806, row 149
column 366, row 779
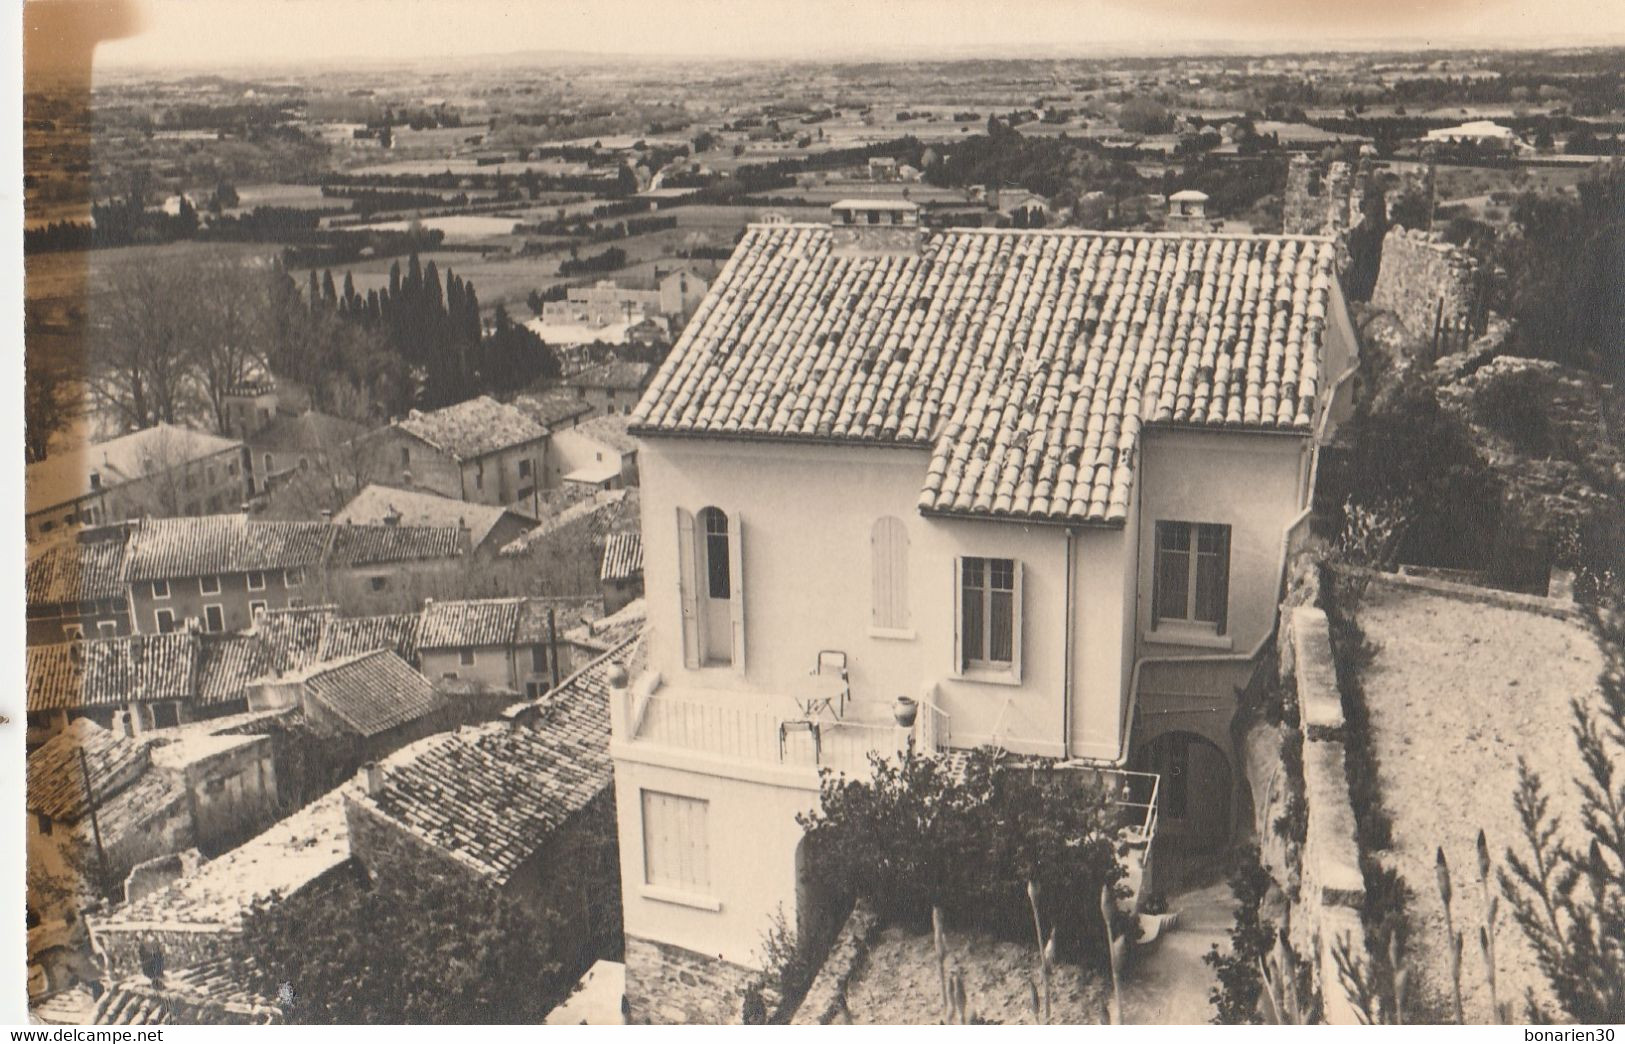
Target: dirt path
column 1168, row 983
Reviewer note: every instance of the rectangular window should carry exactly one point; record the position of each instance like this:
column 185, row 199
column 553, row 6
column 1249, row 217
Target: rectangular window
column 378, row 583
column 73, row 632
column 676, row 844
column 160, row 589
column 256, row 581
column 270, row 463
column 214, row 618
column 888, row 548
column 293, row 577
column 165, row 715
column 524, row 469
column 296, row 603
column 165, row 620
column 106, row 628
column 465, row 657
column 406, row 457
column 208, row 584
column 538, row 659
column 231, row 468
column 535, row 690
column 988, row 610
column 1192, row 581
column 255, row 609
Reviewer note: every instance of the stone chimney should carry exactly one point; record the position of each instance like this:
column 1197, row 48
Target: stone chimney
column 876, row 228
column 373, row 773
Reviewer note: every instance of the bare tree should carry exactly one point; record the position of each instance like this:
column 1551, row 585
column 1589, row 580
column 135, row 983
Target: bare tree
column 233, row 327
column 143, row 332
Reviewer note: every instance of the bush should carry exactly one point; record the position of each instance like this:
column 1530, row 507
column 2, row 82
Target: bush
column 916, row 836
column 1252, row 938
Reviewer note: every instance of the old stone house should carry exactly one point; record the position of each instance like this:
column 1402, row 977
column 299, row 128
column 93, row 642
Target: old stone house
column 481, row 451
column 75, row 587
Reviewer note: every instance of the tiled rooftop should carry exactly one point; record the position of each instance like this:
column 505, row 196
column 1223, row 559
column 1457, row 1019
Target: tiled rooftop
column 358, row 545
column 552, row 407
column 108, row 672
column 484, row 621
column 293, row 635
column 611, row 430
column 56, row 782
column 491, row 794
column 418, row 507
column 618, row 374
column 623, row 557
column 66, row 476
column 76, row 571
column 602, row 513
column 371, row 692
column 473, row 428
column 164, row 548
column 228, row 662
column 1027, row 361
column 347, row 635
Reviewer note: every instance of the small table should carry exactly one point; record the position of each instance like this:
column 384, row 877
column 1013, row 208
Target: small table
column 820, row 694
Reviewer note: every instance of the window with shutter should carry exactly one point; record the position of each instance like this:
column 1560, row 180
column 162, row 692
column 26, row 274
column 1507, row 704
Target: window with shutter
column 687, row 589
column 888, row 545
column 676, row 842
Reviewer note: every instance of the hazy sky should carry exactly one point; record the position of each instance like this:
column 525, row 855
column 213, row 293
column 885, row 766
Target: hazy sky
column 193, row 32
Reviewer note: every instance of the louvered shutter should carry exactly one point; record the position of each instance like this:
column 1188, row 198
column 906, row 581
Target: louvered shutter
column 959, row 615
column 1016, row 637
column 888, row 544
column 1224, row 577
column 687, row 588
column 1156, row 575
column 736, row 596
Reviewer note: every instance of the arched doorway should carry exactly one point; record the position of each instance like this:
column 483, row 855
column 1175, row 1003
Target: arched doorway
column 1193, row 799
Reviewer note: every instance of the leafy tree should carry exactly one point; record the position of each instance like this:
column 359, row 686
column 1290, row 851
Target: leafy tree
column 1141, row 115
column 432, row 950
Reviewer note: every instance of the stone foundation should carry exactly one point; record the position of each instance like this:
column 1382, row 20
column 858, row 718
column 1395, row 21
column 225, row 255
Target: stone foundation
column 668, row 985
column 1432, row 287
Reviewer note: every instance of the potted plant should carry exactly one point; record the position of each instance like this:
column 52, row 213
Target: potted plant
column 906, row 709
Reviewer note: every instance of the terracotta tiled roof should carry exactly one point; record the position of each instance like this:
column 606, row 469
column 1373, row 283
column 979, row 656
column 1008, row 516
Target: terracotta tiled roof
column 592, row 518
column 107, row 672
column 371, row 692
column 164, row 548
column 56, row 782
column 611, row 430
column 66, row 476
column 552, row 407
column 490, row 795
column 228, row 662
column 357, row 545
column 419, row 507
column 568, row 614
column 1028, row 361
column 618, row 374
column 292, row 636
column 208, row 993
column 348, row 635
column 485, row 621
column 623, row 557
column 473, row 428
column 76, row 571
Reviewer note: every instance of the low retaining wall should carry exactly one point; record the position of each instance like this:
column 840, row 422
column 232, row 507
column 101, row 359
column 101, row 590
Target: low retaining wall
column 668, row 985
column 826, row 997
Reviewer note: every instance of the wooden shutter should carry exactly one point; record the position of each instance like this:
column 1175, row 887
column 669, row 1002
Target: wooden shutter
column 676, row 842
column 736, row 596
column 1016, row 637
column 888, row 546
column 1156, row 575
column 687, row 588
column 959, row 616
column 1223, row 594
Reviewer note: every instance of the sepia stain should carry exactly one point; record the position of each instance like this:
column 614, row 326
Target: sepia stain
column 1386, row 17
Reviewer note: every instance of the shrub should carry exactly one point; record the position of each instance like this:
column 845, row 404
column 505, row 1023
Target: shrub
column 914, row 836
column 1252, row 938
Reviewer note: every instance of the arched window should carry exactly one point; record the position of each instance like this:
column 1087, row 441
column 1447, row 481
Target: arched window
column 888, row 548
column 712, row 588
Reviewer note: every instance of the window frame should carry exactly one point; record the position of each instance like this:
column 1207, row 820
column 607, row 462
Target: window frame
column 252, row 573
column 985, row 668
column 294, row 577
column 1183, row 620
column 465, row 656
column 204, row 586
column 255, row 608
column 154, row 586
column 218, row 609
column 158, row 621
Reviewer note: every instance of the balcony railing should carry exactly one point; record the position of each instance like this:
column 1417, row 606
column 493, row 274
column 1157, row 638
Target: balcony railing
column 722, row 726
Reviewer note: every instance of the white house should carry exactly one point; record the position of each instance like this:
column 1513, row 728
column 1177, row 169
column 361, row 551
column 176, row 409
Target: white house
column 1043, row 481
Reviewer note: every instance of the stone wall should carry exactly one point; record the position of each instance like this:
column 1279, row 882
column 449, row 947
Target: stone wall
column 668, row 985
column 825, row 1001
column 1320, row 202
column 1432, row 287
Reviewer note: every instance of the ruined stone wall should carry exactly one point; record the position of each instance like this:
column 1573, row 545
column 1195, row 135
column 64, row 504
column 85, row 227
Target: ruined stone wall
column 1320, row 202
column 668, row 985
column 1432, row 287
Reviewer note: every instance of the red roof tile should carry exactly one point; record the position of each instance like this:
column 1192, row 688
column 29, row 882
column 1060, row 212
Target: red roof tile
column 108, row 672
column 1028, row 361
column 371, row 692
